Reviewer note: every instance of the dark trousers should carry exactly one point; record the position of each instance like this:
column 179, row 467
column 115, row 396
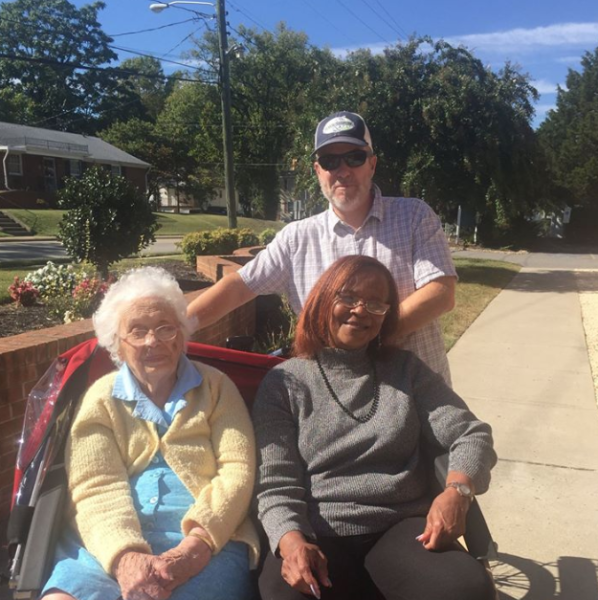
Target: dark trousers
column 388, row 566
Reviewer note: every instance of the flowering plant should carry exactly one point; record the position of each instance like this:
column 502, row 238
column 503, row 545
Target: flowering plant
column 53, row 280
column 87, row 296
column 23, row 292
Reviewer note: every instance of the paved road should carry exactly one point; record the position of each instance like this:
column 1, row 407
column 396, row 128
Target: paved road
column 52, row 250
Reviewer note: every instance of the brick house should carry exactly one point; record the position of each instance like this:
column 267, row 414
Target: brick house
column 34, row 163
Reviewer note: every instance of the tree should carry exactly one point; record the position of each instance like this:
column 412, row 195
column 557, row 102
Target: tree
column 107, row 219
column 140, row 138
column 57, row 32
column 139, row 95
column 273, row 82
column 569, row 135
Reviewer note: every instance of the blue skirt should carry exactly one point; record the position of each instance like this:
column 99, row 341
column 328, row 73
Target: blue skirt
column 161, row 501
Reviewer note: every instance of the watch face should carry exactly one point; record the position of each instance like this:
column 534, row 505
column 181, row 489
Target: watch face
column 465, row 490
column 462, row 488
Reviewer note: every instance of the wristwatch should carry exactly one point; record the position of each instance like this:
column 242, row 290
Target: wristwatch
column 463, row 489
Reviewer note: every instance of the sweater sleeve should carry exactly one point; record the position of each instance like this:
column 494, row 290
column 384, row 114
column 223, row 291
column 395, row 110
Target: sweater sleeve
column 448, row 423
column 104, row 512
column 223, row 502
column 281, row 475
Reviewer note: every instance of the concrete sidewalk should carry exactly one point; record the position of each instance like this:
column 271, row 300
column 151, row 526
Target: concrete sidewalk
column 523, row 367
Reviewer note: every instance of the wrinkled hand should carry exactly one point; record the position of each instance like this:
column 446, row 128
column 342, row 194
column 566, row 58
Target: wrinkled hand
column 304, row 566
column 143, row 577
column 186, row 560
column 445, row 521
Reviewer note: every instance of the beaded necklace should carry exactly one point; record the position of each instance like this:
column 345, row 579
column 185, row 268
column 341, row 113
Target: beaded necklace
column 374, row 407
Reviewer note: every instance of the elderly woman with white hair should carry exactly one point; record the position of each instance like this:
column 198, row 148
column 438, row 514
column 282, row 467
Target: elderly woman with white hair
column 160, row 464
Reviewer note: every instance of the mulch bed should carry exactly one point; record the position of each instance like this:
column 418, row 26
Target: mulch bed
column 19, row 319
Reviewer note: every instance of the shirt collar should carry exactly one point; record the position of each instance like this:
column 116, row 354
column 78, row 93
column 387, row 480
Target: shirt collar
column 376, row 211
column 126, row 388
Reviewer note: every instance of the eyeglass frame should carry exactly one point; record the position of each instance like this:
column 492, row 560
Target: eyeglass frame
column 140, row 343
column 361, row 302
column 338, row 158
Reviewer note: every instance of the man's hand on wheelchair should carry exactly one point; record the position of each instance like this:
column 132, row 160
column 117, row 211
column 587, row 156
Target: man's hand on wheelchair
column 445, row 521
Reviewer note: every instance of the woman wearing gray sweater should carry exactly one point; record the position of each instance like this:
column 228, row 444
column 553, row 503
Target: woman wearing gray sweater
column 342, row 486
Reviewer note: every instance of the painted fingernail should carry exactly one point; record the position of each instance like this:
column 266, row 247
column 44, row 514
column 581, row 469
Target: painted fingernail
column 419, row 537
column 314, row 591
column 328, row 582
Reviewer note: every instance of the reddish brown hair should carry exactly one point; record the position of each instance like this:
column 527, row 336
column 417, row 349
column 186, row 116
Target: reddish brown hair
column 313, row 329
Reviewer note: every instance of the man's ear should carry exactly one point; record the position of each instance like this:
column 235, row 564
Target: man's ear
column 373, row 162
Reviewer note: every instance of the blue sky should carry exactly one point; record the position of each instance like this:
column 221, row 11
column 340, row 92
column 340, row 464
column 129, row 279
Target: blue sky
column 545, row 38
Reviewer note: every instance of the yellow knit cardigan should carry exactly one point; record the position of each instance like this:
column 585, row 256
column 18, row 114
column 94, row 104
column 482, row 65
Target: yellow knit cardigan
column 210, row 446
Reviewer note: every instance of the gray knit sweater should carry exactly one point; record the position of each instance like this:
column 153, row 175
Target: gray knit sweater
column 324, row 474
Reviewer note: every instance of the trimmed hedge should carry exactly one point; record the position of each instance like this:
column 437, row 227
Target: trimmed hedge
column 220, row 241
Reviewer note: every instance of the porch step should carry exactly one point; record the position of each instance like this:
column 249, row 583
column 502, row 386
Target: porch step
column 11, row 227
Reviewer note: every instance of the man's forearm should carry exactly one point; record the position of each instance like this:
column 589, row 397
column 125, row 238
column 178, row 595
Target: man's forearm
column 426, row 304
column 220, row 299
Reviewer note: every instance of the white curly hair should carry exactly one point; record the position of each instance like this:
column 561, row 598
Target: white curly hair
column 144, row 282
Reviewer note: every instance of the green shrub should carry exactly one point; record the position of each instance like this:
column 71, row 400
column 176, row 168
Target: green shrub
column 220, row 241
column 107, row 219
column 246, row 238
column 267, row 236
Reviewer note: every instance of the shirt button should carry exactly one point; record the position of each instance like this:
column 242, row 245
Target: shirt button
column 154, row 500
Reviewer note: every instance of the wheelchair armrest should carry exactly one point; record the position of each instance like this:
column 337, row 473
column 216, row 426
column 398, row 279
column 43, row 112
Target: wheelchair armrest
column 477, row 534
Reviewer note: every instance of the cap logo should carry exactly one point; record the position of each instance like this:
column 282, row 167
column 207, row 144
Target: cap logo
column 338, row 125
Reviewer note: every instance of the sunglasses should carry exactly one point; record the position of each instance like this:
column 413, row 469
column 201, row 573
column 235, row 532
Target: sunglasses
column 374, row 307
column 353, row 159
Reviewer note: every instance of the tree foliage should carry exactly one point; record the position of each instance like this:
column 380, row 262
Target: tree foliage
column 63, row 96
column 569, row 135
column 107, row 219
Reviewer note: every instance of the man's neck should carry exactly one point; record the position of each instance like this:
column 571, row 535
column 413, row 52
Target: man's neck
column 355, row 218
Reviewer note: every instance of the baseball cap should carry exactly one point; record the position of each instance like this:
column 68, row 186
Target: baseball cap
column 342, row 128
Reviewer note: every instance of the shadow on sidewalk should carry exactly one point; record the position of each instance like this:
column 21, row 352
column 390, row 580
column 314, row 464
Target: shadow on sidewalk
column 555, row 281
column 570, row 578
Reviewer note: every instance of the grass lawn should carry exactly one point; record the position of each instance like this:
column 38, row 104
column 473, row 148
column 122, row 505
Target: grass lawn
column 480, row 280
column 45, row 222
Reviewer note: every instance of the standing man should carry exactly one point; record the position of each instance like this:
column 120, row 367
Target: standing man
column 403, row 233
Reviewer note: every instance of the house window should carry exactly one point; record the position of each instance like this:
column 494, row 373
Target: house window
column 116, row 170
column 76, row 168
column 14, row 164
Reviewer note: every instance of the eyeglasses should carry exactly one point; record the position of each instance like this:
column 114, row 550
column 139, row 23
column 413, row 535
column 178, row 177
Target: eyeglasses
column 138, row 336
column 374, row 307
column 353, row 159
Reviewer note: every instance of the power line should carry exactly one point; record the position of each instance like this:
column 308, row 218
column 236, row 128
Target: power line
column 183, row 40
column 174, row 62
column 363, row 22
column 248, row 16
column 392, row 18
column 330, row 22
column 116, row 71
column 385, row 21
column 113, row 35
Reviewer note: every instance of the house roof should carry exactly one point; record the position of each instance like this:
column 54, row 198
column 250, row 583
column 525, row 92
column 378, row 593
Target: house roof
column 46, row 142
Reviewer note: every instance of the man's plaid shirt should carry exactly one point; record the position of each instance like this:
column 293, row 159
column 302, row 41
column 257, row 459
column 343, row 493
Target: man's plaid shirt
column 402, row 233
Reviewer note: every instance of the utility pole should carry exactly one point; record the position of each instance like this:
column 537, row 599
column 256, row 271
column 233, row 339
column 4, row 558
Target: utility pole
column 227, row 129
